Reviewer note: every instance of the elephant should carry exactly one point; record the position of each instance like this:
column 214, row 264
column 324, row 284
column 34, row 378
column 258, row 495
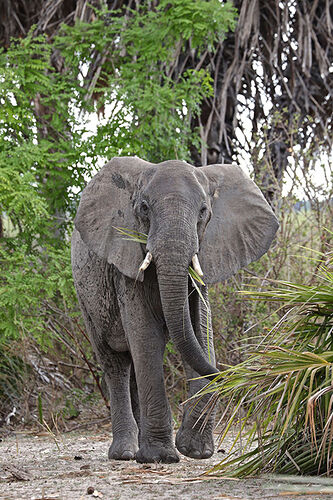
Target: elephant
column 135, row 296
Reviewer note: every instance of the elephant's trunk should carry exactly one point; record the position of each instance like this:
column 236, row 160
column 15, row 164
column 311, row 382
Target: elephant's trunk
column 173, row 285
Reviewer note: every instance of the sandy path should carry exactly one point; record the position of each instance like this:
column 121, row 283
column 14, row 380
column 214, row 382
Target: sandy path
column 39, row 467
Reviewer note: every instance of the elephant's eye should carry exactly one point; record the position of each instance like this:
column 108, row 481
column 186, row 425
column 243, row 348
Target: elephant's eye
column 203, row 211
column 144, row 208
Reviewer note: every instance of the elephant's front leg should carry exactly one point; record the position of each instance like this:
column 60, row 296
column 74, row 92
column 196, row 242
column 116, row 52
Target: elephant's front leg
column 124, row 427
column 155, row 438
column 195, row 436
column 146, row 338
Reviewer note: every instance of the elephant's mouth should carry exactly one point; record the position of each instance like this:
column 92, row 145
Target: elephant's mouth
column 195, row 261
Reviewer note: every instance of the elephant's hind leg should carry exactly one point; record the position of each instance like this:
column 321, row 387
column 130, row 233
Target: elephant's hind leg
column 135, row 397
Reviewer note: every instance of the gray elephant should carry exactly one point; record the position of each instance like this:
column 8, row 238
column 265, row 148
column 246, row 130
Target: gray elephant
column 134, row 297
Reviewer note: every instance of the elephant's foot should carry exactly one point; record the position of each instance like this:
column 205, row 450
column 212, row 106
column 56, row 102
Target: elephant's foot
column 151, row 453
column 123, row 448
column 195, row 444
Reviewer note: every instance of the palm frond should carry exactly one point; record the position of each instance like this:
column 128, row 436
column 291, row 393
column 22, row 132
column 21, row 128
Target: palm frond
column 281, row 396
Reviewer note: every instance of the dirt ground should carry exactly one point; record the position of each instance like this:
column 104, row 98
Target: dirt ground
column 74, row 466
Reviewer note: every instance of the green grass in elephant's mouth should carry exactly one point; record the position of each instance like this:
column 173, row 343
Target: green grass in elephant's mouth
column 131, row 235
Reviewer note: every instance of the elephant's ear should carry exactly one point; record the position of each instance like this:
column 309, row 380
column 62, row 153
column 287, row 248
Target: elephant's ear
column 242, row 224
column 106, row 204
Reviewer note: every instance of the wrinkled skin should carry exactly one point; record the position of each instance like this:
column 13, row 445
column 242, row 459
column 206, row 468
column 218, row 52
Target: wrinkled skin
column 214, row 212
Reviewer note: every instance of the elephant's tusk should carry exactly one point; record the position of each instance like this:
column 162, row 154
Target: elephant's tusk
column 196, row 265
column 146, row 262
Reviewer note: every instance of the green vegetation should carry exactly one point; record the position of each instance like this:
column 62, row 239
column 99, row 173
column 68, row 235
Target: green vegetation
column 280, row 398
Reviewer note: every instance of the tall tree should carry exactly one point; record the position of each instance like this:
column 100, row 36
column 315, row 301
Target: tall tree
column 274, row 70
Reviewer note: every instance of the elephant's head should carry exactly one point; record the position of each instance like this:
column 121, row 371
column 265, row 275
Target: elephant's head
column 215, row 213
